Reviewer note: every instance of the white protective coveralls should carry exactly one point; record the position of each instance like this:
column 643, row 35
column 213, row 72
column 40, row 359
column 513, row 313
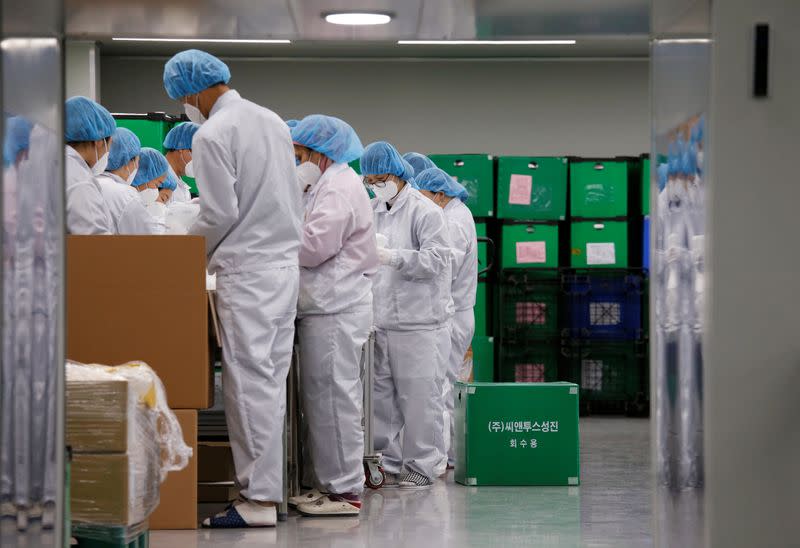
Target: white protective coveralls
column 464, row 240
column 250, row 217
column 338, row 257
column 87, row 212
column 413, row 308
column 128, row 213
column 182, row 194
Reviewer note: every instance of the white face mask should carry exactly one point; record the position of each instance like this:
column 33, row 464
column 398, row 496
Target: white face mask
column 387, row 193
column 149, row 195
column 102, row 162
column 308, row 174
column 188, row 170
column 193, row 112
column 132, row 176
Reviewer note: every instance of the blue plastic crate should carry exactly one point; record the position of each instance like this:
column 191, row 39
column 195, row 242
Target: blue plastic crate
column 604, row 305
column 646, row 244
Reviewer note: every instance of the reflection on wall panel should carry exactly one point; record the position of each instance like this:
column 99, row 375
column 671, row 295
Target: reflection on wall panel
column 31, row 379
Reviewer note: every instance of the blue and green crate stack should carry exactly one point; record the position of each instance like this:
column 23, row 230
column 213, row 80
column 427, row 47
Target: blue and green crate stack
column 604, row 336
column 531, row 211
column 476, row 172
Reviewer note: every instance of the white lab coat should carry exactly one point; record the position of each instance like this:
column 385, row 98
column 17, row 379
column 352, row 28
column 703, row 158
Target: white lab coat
column 413, row 307
column 87, row 212
column 126, row 208
column 183, row 193
column 338, row 256
column 250, row 217
column 464, row 242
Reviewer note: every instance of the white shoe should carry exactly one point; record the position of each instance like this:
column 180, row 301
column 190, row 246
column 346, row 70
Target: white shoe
column 307, row 498
column 243, row 514
column 330, row 506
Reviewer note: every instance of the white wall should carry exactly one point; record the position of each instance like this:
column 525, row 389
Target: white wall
column 589, row 108
column 82, row 73
column 753, row 357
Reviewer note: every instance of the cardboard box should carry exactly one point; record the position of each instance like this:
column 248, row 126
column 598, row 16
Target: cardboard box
column 217, row 492
column 97, row 416
column 178, row 507
column 142, row 298
column 517, row 434
column 215, row 462
column 114, row 488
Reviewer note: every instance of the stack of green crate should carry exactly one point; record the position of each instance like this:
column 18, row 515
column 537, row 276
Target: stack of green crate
column 599, row 210
column 531, row 205
column 476, row 173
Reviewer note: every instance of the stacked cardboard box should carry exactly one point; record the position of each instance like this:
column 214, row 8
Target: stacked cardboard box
column 144, row 297
column 116, row 463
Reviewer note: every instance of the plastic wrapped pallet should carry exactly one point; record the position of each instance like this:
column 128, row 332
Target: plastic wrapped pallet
column 125, row 440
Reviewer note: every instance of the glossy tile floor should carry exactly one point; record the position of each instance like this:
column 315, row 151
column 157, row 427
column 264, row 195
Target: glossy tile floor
column 612, row 508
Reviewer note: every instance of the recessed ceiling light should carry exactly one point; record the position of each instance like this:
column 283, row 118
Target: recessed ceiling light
column 358, row 18
column 205, row 40
column 487, row 42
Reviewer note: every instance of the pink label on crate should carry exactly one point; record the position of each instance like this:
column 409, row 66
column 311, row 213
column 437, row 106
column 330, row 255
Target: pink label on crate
column 519, row 191
column 529, row 372
column 531, row 252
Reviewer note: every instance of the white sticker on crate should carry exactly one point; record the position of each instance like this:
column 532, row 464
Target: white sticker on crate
column 573, row 390
column 519, row 190
column 572, row 481
column 472, row 481
column 601, row 253
column 531, row 252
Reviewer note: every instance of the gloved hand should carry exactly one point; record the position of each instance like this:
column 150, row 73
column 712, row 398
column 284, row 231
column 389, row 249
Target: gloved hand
column 385, row 255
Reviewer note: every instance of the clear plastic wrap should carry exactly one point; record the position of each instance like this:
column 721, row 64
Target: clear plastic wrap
column 125, row 440
column 180, row 217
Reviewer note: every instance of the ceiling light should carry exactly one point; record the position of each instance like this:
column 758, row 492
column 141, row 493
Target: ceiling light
column 358, row 18
column 487, row 42
column 205, row 40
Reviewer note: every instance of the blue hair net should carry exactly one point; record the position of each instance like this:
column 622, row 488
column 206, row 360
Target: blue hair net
column 18, row 138
column 689, row 161
column 437, row 180
column 663, row 172
column 329, row 136
column 291, row 123
column 125, row 146
column 152, row 165
column 192, row 71
column 170, row 183
column 86, row 120
column 380, row 157
column 180, row 137
column 418, row 161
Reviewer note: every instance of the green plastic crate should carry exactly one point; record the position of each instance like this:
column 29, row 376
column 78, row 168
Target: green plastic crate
column 356, row 165
column 150, row 132
column 482, row 309
column 610, row 375
column 529, row 246
column 500, row 438
column 529, row 362
column 476, row 173
column 483, row 247
column 483, row 359
column 599, row 189
column 532, row 188
column 645, row 186
column 600, row 244
column 529, row 302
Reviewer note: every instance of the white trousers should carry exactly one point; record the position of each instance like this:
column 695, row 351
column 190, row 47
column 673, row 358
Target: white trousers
column 407, row 397
column 462, row 330
column 332, row 396
column 256, row 313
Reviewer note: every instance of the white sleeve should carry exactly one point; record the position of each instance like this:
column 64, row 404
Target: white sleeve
column 460, row 244
column 87, row 212
column 433, row 256
column 135, row 220
column 219, row 208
